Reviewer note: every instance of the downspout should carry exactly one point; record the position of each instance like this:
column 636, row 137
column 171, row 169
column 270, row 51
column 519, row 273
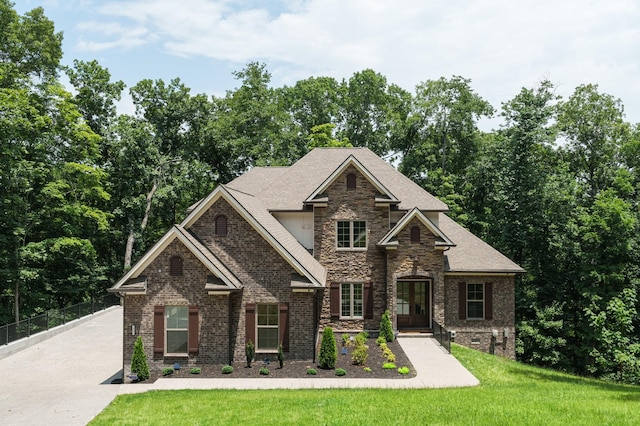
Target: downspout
column 230, row 322
column 316, row 325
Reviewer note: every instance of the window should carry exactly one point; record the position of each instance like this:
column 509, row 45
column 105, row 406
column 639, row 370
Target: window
column 402, row 300
column 352, row 234
column 351, row 300
column 267, row 333
column 351, row 181
column 175, row 266
column 475, row 301
column 221, row 226
column 415, row 234
column 177, row 329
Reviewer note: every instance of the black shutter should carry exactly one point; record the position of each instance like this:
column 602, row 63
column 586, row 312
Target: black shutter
column 462, row 300
column 250, row 326
column 158, row 330
column 334, row 302
column 367, row 295
column 488, row 301
column 193, row 330
column 284, row 326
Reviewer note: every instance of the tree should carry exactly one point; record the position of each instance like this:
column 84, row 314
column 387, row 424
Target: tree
column 139, row 360
column 328, row 349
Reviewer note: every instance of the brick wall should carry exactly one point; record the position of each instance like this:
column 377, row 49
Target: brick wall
column 477, row 334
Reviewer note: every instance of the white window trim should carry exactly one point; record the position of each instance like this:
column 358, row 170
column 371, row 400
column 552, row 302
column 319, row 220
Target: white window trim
column 352, row 236
column 258, row 326
column 476, row 300
column 352, row 299
column 166, row 331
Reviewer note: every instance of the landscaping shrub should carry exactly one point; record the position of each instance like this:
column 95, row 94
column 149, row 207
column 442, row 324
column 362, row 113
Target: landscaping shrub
column 345, row 339
column 167, row 371
column 195, row 370
column 227, row 369
column 360, row 354
column 389, row 366
column 391, row 357
column 403, row 370
column 386, row 329
column 312, row 371
column 280, row 355
column 367, row 370
column 361, row 339
column 328, row 349
column 341, row 372
column 380, row 340
column 139, row 360
column 250, row 352
column 264, row 371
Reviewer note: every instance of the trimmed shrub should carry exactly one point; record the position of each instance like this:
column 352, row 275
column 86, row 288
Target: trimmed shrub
column 264, row 371
column 168, row 371
column 403, row 370
column 227, row 369
column 386, row 329
column 280, row 355
column 389, row 366
column 250, row 352
column 391, row 357
column 345, row 339
column 195, row 370
column 312, row 371
column 367, row 370
column 341, row 372
column 139, row 360
column 360, row 354
column 361, row 339
column 380, row 340
column 328, row 349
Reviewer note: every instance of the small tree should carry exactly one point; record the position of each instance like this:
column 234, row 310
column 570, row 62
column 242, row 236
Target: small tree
column 386, row 329
column 250, row 352
column 280, row 355
column 139, row 360
column 328, row 349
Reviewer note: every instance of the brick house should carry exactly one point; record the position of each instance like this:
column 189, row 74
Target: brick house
column 333, row 240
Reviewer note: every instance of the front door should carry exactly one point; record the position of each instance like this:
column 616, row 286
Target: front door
column 412, row 308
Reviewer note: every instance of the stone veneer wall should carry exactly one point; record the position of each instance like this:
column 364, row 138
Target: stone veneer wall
column 351, row 265
column 400, row 264
column 266, row 277
column 477, row 334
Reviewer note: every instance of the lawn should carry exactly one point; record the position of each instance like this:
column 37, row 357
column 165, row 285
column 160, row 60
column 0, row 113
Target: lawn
column 510, row 393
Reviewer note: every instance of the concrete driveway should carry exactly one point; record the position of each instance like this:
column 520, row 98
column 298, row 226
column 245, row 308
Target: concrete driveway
column 64, row 380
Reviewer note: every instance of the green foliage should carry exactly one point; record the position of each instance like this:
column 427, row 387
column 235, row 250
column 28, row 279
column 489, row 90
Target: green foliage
column 367, row 370
column 341, row 372
column 380, row 340
column 346, row 341
column 389, row 366
column 359, row 354
column 264, row 371
column 195, row 370
column 404, row 370
column 227, row 369
column 250, row 352
column 312, row 371
column 328, row 349
column 139, row 360
column 167, row 371
column 280, row 355
column 386, row 328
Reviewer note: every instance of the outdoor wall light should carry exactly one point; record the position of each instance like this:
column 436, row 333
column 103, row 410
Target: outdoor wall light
column 494, row 333
column 133, row 329
column 506, row 333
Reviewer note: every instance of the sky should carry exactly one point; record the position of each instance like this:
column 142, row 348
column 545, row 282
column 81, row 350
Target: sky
column 500, row 45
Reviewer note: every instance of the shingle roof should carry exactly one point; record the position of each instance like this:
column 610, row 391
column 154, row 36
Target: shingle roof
column 471, row 254
column 285, row 189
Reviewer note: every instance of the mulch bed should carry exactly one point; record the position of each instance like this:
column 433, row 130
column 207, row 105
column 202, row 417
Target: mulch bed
column 298, row 369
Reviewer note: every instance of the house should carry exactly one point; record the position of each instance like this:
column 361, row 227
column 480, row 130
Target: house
column 333, row 240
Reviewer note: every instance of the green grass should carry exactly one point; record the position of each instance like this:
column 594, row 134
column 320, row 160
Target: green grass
column 510, row 394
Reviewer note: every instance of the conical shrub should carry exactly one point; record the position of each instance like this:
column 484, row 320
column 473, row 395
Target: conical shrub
column 328, row 349
column 139, row 360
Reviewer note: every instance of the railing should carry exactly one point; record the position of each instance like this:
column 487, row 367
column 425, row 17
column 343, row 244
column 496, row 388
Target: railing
column 442, row 335
column 53, row 318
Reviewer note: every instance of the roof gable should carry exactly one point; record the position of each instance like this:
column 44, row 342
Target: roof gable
column 441, row 239
column 130, row 282
column 351, row 161
column 256, row 214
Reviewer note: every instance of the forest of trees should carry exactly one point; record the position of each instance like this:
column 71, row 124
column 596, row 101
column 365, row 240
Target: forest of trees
column 85, row 190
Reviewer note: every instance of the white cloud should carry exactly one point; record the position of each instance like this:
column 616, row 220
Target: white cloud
column 501, row 45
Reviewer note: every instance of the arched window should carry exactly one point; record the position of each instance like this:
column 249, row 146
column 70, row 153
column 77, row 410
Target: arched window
column 351, row 181
column 415, row 234
column 221, row 226
column 175, row 266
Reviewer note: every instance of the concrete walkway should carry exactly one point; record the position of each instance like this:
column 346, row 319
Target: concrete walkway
column 65, row 380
